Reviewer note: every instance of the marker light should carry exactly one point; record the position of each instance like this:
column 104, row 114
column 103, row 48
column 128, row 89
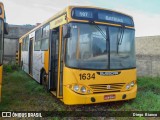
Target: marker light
column 88, row 91
column 132, row 83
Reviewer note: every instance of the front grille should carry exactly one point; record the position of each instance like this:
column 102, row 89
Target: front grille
column 105, row 88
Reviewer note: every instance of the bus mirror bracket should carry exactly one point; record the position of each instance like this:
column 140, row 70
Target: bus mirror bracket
column 66, row 31
column 6, row 28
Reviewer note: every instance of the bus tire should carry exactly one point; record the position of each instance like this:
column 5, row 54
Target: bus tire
column 44, row 80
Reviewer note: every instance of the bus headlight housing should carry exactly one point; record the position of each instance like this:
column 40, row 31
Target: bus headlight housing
column 75, row 88
column 83, row 89
column 128, row 86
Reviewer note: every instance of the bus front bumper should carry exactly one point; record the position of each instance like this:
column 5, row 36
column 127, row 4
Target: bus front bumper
column 72, row 98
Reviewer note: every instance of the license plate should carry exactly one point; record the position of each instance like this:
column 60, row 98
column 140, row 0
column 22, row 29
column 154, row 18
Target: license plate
column 108, row 97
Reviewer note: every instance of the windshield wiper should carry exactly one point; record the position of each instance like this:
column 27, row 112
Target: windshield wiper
column 99, row 29
column 120, row 38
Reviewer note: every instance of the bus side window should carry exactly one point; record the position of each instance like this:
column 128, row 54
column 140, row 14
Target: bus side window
column 37, row 43
column 45, row 38
column 27, row 43
column 23, row 45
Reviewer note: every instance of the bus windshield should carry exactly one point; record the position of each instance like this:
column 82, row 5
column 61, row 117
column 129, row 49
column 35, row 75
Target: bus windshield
column 91, row 46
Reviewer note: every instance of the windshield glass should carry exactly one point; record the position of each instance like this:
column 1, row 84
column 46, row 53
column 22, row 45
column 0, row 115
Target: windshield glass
column 122, row 48
column 88, row 47
column 1, row 41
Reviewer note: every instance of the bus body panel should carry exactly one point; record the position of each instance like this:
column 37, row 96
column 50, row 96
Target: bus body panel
column 38, row 64
column 97, row 86
column 4, row 30
column 25, row 61
column 46, row 61
column 72, row 98
column 1, row 66
column 73, row 76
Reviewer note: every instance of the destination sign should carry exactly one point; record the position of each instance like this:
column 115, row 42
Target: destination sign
column 110, row 17
column 115, row 17
column 101, row 15
column 82, row 13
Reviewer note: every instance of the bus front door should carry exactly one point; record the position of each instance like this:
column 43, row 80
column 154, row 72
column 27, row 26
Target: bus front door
column 54, row 46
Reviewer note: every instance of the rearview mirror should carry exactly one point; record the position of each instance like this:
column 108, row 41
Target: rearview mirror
column 6, row 28
column 66, row 31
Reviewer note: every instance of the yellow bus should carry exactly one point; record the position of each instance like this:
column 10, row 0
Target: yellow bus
column 3, row 30
column 83, row 55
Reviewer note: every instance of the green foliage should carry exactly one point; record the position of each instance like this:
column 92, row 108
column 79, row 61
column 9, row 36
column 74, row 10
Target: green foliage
column 20, row 92
column 10, row 67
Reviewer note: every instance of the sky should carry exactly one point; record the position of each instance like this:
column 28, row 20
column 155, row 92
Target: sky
column 146, row 13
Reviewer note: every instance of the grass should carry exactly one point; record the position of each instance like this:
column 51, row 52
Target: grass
column 21, row 93
column 148, row 97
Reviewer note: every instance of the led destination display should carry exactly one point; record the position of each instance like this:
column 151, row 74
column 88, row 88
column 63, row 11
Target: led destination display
column 102, row 16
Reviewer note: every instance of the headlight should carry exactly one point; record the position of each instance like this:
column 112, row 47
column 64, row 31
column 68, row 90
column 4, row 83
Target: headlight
column 76, row 88
column 132, row 83
column 83, row 89
column 127, row 87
